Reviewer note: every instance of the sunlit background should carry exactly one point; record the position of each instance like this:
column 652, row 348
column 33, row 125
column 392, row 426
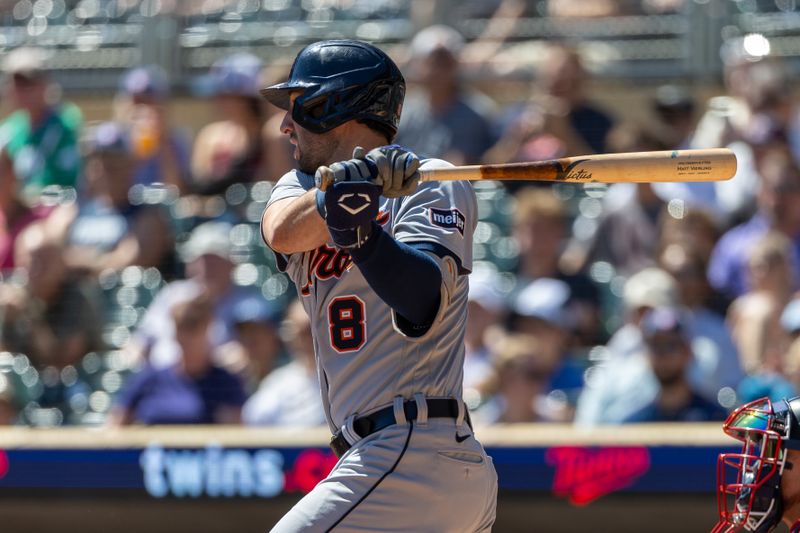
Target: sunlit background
column 132, row 210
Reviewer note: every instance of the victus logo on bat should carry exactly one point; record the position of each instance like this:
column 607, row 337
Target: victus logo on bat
column 583, row 475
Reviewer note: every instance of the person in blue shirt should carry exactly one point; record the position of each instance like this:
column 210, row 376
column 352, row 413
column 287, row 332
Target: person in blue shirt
column 192, row 391
column 778, row 210
column 669, row 354
column 161, row 152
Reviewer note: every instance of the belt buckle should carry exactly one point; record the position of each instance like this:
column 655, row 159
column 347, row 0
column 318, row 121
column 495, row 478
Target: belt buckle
column 339, row 444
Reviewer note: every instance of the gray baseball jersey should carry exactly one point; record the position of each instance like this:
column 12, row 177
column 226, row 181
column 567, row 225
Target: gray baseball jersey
column 365, row 357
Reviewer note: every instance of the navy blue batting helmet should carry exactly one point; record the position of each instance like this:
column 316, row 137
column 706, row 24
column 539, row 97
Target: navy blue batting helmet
column 339, row 81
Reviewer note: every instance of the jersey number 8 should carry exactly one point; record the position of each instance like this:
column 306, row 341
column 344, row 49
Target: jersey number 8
column 346, row 316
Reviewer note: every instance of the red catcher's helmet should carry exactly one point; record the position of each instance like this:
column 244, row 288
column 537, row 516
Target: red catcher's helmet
column 749, row 482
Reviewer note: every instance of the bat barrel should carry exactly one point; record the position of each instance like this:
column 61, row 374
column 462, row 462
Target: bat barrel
column 634, row 167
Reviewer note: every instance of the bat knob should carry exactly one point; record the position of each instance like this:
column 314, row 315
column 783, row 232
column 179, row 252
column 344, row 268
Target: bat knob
column 323, row 178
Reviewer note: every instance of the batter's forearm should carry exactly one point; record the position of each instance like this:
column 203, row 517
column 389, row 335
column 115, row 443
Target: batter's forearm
column 407, row 279
column 294, row 225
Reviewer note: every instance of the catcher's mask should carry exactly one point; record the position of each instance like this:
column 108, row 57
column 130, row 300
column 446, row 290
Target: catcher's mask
column 749, row 483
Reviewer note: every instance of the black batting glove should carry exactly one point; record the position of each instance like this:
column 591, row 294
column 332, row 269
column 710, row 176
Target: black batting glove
column 356, row 169
column 350, row 207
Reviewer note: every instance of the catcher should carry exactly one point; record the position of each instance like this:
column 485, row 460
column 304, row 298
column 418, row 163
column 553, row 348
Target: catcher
column 760, row 486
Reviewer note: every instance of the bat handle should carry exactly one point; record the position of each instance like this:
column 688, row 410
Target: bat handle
column 323, row 178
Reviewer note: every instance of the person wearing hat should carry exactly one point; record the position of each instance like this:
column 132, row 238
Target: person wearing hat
column 161, row 151
column 104, row 229
column 41, row 134
column 622, row 376
column 557, row 120
column 231, row 150
column 669, row 352
column 206, row 255
column 442, row 119
column 486, row 309
column 192, row 390
column 544, row 310
column 289, row 395
column 673, row 107
column 758, row 487
column 257, row 347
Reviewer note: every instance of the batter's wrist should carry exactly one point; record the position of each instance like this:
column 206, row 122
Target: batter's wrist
column 320, row 201
column 364, row 252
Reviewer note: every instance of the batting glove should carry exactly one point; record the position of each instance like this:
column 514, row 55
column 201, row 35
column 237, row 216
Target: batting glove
column 355, row 169
column 397, row 170
column 351, row 207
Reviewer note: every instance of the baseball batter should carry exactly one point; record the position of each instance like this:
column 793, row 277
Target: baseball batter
column 381, row 266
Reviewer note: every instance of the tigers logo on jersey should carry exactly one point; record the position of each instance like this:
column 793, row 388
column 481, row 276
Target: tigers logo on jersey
column 328, row 262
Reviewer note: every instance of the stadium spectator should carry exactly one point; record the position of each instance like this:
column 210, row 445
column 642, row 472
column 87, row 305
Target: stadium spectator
column 289, row 395
column 756, row 107
column 669, row 354
column 518, row 391
column 231, row 150
column 486, row 310
column 790, row 324
column 714, row 348
column 16, row 212
column 541, row 232
column 543, row 309
column 694, row 229
column 193, row 390
column 716, row 363
column 557, row 120
column 104, row 229
column 778, row 210
column 622, row 378
column 680, row 258
column 255, row 352
column 207, row 257
column 40, row 135
column 442, row 118
column 162, row 152
column 54, row 317
column 625, row 234
column 754, row 317
column 674, row 109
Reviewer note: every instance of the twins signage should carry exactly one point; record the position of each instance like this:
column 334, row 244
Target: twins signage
column 579, row 474
column 3, row 464
column 226, row 473
column 584, row 474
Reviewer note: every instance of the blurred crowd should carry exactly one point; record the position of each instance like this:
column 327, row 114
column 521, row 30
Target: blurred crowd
column 135, row 288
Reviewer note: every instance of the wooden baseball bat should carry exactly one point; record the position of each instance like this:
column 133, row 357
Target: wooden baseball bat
column 634, row 167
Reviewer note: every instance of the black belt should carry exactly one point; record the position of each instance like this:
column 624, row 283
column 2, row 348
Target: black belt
column 369, row 424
